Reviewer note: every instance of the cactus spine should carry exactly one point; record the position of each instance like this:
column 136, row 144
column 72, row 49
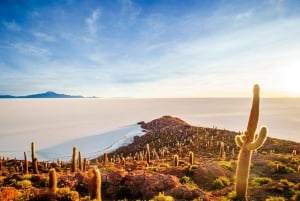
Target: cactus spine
column 94, row 184
column 25, row 163
column 74, row 162
column 52, row 181
column 247, row 143
column 191, row 158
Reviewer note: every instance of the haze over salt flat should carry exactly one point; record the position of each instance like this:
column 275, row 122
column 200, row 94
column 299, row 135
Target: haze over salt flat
column 51, row 122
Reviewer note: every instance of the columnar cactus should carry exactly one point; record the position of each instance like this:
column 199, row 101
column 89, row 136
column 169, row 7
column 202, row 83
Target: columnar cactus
column 79, row 161
column 148, row 157
column 247, row 143
column 32, row 152
column 84, row 164
column 35, row 166
column 74, row 160
column 222, row 151
column 191, row 157
column 52, row 181
column 105, row 159
column 176, row 160
column 25, row 163
column 94, row 184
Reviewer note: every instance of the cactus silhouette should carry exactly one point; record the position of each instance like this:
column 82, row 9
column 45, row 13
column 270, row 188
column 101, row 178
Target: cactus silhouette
column 52, row 181
column 94, row 184
column 74, row 162
column 247, row 143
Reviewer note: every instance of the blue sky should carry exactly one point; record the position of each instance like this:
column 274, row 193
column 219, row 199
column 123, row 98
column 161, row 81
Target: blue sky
column 139, row 48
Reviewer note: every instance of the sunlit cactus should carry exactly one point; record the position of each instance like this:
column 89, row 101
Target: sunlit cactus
column 25, row 163
column 222, row 151
column 94, row 184
column 74, row 160
column 247, row 143
column 191, row 158
column 52, row 181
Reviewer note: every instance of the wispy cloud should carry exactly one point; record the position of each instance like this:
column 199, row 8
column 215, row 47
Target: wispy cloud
column 12, row 26
column 91, row 21
column 29, row 49
column 43, row 36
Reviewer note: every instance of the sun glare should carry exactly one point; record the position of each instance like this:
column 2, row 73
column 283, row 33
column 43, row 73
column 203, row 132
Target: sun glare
column 289, row 81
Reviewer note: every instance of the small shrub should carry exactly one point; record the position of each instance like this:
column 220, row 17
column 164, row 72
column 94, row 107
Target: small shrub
column 23, row 184
column 162, row 197
column 273, row 198
column 226, row 164
column 220, row 183
column 296, row 196
column 258, row 181
column 188, row 181
column 65, row 194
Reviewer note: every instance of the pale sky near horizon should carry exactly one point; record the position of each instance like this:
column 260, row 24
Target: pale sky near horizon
column 139, row 48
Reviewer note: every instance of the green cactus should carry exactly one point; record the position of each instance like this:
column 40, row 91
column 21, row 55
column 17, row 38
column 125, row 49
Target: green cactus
column 52, row 181
column 74, row 162
column 247, row 143
column 191, row 157
column 25, row 163
column 94, row 184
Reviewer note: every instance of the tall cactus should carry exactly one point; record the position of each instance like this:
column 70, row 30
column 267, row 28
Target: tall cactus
column 94, row 184
column 176, row 160
column 32, row 152
column 25, row 163
column 191, row 157
column 52, row 181
column 247, row 143
column 80, row 161
column 74, row 160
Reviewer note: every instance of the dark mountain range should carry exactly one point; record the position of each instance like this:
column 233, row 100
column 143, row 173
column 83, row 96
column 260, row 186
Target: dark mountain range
column 49, row 94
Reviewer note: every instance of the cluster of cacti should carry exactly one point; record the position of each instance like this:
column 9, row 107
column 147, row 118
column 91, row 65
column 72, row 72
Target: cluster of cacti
column 247, row 143
column 74, row 160
column 52, row 181
column 94, row 184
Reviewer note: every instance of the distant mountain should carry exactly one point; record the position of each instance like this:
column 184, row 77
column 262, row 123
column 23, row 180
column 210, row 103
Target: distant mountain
column 48, row 94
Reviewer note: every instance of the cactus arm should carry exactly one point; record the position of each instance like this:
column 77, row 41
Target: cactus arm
column 239, row 141
column 259, row 141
